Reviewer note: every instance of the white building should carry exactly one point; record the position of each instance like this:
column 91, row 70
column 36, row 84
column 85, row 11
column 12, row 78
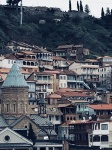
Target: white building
column 105, row 76
column 101, row 134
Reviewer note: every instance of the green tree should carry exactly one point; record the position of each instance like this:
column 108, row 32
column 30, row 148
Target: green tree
column 107, row 11
column 81, row 6
column 102, row 12
column 87, row 10
column 78, row 6
column 70, row 7
column 31, row 134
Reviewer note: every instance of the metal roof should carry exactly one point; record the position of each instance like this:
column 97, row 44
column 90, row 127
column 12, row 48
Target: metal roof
column 3, row 123
column 14, row 78
column 41, row 121
column 15, row 145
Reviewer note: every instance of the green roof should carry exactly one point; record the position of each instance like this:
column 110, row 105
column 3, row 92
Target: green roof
column 14, row 78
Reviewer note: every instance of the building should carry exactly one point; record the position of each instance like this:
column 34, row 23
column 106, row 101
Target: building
column 70, row 52
column 14, row 99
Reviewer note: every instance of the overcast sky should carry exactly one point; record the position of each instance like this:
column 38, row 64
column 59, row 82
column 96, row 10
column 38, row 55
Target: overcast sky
column 94, row 5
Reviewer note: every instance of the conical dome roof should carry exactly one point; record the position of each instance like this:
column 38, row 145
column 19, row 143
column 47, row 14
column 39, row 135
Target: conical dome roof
column 14, row 78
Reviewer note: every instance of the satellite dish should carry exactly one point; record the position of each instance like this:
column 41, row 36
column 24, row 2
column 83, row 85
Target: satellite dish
column 36, row 109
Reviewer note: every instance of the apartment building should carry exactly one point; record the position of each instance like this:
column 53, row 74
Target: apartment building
column 70, row 52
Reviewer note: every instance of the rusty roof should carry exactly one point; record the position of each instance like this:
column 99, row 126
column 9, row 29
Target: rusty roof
column 53, row 96
column 101, row 107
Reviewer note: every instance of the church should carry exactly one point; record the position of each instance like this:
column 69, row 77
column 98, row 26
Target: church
column 17, row 116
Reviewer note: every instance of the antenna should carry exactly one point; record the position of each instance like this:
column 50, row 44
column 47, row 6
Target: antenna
column 21, row 14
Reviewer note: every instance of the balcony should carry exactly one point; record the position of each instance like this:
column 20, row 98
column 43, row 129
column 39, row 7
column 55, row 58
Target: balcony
column 41, row 90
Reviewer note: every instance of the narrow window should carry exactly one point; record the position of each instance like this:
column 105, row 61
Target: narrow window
column 14, row 107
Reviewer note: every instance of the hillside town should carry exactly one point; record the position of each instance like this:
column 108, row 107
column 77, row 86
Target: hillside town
column 51, row 100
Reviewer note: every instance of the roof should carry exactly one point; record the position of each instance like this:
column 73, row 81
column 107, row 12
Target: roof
column 72, row 93
column 15, row 145
column 101, row 107
column 64, row 46
column 64, row 105
column 58, row 58
column 3, row 123
column 53, row 96
column 53, row 110
column 83, row 122
column 41, row 121
column 68, row 72
column 14, row 78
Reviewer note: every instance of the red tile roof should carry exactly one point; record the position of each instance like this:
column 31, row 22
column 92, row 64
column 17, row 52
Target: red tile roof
column 101, row 107
column 70, row 93
column 53, row 96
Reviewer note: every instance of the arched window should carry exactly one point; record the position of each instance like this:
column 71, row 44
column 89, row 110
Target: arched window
column 104, row 138
column 32, row 63
column 7, row 108
column 14, row 107
column 24, row 63
column 96, row 138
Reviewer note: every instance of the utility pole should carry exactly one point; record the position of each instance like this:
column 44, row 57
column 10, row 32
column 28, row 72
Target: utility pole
column 21, row 14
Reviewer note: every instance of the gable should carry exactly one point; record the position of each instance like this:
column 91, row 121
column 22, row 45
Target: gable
column 9, row 136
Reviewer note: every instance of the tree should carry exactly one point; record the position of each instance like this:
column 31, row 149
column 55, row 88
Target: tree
column 111, row 12
column 81, row 6
column 77, row 5
column 102, row 12
column 31, row 134
column 70, row 7
column 87, row 10
column 107, row 11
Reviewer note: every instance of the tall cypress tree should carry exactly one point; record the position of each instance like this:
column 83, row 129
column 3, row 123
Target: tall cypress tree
column 81, row 6
column 70, row 7
column 102, row 12
column 31, row 134
column 78, row 6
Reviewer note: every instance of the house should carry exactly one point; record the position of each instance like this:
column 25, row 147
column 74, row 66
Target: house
column 89, row 69
column 70, row 52
column 100, row 134
column 101, row 110
column 81, row 108
column 59, row 63
column 105, row 76
column 53, row 99
column 9, row 138
column 68, row 110
column 48, row 144
column 44, row 57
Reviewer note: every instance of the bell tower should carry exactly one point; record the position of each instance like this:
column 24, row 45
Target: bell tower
column 42, row 107
column 14, row 94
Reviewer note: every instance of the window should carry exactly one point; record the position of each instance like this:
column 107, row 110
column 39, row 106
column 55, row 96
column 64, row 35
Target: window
column 104, row 127
column 96, row 138
column 64, row 77
column 21, row 107
column 57, row 117
column 104, row 138
column 8, row 61
column 7, row 108
column 14, row 107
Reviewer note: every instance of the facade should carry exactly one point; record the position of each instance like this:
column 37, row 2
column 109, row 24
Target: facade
column 70, row 52
column 14, row 94
column 10, row 139
column 101, row 135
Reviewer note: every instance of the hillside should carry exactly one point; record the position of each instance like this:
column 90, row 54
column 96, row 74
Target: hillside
column 93, row 33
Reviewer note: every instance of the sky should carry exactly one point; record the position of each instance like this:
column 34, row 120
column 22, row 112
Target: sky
column 94, row 5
